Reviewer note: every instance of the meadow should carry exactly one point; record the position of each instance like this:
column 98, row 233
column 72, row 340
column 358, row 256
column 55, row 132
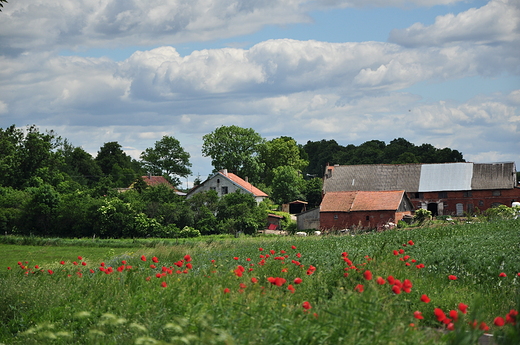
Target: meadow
column 442, row 285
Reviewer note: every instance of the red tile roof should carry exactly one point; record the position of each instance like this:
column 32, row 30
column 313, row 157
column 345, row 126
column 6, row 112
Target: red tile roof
column 362, row 201
column 153, row 181
column 246, row 185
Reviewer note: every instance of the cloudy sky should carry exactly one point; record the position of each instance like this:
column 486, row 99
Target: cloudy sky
column 444, row 72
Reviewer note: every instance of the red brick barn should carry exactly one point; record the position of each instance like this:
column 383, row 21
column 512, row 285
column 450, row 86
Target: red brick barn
column 364, row 209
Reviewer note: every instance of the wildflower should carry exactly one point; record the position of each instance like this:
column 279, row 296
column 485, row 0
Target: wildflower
column 306, row 305
column 238, row 272
column 499, row 321
column 418, row 315
column 187, row 258
column 390, row 280
column 143, row 258
column 261, row 249
column 123, row 262
column 368, row 275
column 511, row 317
column 439, row 314
column 248, row 259
column 347, row 260
column 401, row 251
column 235, row 258
column 8, row 268
column 242, row 285
column 420, row 266
column 297, row 280
column 454, row 315
column 158, row 275
column 293, row 247
column 226, row 290
column 452, row 277
column 407, row 286
column 395, row 252
column 359, row 288
column 75, row 263
column 396, row 289
column 502, row 274
column 411, row 243
column 189, row 266
column 154, row 259
column 451, row 326
column 83, row 263
column 463, row 308
column 50, row 271
column 483, row 326
column 163, row 284
column 80, row 258
column 298, row 255
column 153, row 266
column 425, row 299
column 254, row 280
column 62, row 262
column 272, row 252
column 92, row 271
column 291, row 288
column 284, row 270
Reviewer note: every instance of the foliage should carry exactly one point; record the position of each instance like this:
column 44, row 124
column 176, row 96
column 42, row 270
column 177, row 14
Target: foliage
column 168, row 158
column 287, row 185
column 282, row 151
column 234, row 148
column 312, row 191
column 421, row 215
column 189, row 232
column 502, row 212
column 203, row 292
column 239, row 212
column 114, row 162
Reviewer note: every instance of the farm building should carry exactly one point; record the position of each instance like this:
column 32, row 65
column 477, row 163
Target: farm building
column 364, row 209
column 444, row 189
column 224, row 182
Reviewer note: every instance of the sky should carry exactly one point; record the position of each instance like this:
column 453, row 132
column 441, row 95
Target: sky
column 443, row 72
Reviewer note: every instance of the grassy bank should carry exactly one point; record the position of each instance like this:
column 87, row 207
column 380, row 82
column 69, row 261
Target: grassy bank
column 204, row 291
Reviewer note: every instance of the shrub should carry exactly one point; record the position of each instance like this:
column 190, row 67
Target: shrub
column 421, row 215
column 188, row 232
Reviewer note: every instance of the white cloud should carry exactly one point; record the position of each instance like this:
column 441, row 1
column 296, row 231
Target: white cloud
column 496, row 22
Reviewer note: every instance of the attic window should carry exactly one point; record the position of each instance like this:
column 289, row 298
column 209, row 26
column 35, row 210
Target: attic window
column 468, row 194
column 497, row 193
column 443, row 195
column 218, row 180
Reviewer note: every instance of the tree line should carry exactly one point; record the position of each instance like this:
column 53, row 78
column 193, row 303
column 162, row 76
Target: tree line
column 50, row 187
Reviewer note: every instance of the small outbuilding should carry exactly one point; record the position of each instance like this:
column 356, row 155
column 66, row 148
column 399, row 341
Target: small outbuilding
column 363, row 209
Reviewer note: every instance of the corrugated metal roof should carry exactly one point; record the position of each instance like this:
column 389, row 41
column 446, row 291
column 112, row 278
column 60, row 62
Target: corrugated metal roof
column 493, row 176
column 445, row 177
column 421, row 177
column 361, row 201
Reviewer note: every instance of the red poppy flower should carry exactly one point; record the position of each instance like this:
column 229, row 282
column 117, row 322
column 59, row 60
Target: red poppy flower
column 452, row 277
column 291, row 288
column 102, row 264
column 359, row 288
column 154, row 259
column 451, row 326
column 143, row 258
column 297, row 280
column 298, row 255
column 401, row 251
column 395, row 252
column 420, row 266
column 293, row 247
column 92, row 271
column 306, row 305
column 121, row 268
column 163, row 284
column 226, row 290
column 238, row 272
column 213, row 261
column 425, row 299
column 236, row 258
column 84, row 263
column 411, row 243
column 483, row 326
column 418, row 315
column 454, row 315
column 347, row 260
column 75, row 263
column 502, row 274
column 260, row 249
column 463, row 308
column 390, row 280
column 80, row 258
column 396, row 289
column 50, row 271
column 153, row 266
column 123, row 262
column 248, row 259
column 254, row 280
column 439, row 314
column 189, row 266
column 499, row 321
column 380, row 281
column 187, row 257
column 511, row 317
column 368, row 275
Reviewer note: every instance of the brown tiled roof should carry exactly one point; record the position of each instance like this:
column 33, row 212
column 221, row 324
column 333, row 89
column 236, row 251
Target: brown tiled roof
column 362, row 201
column 245, row 185
column 153, row 181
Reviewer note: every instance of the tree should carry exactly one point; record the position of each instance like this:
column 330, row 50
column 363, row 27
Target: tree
column 234, row 148
column 240, row 212
column 320, row 154
column 80, row 165
column 278, row 152
column 168, row 158
column 1, row 5
column 312, row 190
column 114, row 162
column 287, row 185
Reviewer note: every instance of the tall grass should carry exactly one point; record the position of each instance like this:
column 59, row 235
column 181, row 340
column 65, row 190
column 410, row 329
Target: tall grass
column 132, row 307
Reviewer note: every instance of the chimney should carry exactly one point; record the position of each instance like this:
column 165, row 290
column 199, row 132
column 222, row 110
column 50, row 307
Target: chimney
column 224, row 172
column 247, row 179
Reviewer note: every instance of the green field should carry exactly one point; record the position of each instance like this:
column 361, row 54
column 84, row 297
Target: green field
column 203, row 291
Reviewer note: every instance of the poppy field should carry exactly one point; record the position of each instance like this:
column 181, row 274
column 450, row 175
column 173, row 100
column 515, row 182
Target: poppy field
column 446, row 285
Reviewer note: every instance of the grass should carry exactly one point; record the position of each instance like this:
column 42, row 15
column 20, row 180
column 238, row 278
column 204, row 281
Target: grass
column 127, row 308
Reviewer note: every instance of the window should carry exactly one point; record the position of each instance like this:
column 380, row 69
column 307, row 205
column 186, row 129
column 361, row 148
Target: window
column 481, row 203
column 443, row 195
column 367, row 218
column 419, row 195
column 335, row 216
column 468, row 194
column 224, row 190
column 497, row 193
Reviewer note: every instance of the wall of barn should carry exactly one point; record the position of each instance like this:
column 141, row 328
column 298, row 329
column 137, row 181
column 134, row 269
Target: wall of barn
column 459, row 202
column 362, row 219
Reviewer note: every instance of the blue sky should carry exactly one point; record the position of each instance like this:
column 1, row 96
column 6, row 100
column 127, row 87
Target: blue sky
column 444, row 72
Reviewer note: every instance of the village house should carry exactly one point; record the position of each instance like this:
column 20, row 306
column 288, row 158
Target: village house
column 443, row 189
column 363, row 209
column 224, row 182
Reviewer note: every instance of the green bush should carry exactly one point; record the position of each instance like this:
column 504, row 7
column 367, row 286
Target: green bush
column 188, row 232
